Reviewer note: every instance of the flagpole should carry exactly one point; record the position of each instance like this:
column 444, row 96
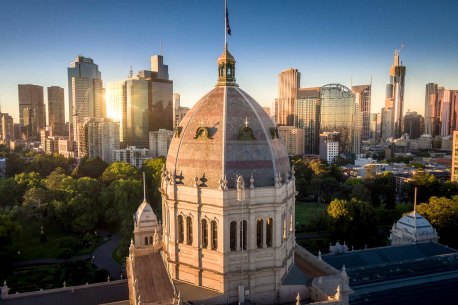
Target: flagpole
column 225, row 23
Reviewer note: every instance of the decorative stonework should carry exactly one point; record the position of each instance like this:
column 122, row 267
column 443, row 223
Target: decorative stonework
column 274, row 132
column 202, row 133
column 246, row 134
column 178, row 131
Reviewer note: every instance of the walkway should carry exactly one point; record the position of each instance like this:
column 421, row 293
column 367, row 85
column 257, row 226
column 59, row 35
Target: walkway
column 102, row 257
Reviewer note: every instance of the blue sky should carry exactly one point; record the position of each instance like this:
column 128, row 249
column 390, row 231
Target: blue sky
column 328, row 41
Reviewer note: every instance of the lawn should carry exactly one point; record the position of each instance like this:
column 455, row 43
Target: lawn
column 306, row 212
column 26, row 244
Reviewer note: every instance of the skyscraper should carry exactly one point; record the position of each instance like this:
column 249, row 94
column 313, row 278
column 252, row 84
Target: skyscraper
column 32, row 109
column 441, row 110
column 363, row 99
column 431, row 109
column 6, row 128
column 98, row 138
column 116, row 106
column 307, row 117
column 454, row 174
column 161, row 93
column 395, row 97
column 56, row 110
column 137, row 113
column 414, row 125
column 85, row 91
column 288, row 85
column 338, row 115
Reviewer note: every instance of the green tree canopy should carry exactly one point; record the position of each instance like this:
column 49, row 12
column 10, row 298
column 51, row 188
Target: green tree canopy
column 119, row 170
column 90, row 167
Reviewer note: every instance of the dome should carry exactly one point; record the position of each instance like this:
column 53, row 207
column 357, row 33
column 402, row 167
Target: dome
column 414, row 221
column 227, row 133
column 412, row 228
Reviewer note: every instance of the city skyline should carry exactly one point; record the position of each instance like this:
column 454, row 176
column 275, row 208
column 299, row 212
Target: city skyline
column 365, row 37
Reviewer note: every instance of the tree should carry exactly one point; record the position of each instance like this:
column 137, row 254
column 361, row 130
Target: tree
column 90, row 167
column 153, row 173
column 14, row 165
column 354, row 221
column 10, row 192
column 442, row 213
column 28, row 180
column 44, row 164
column 119, row 170
column 36, row 200
column 54, row 179
column 8, row 226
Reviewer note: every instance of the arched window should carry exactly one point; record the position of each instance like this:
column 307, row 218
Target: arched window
column 269, row 231
column 189, row 230
column 146, row 240
column 243, row 234
column 259, row 232
column 214, row 228
column 233, row 235
column 204, row 233
column 180, row 229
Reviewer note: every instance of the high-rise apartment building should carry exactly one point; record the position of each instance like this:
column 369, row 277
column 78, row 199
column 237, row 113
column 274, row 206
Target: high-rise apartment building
column 98, row 137
column 85, row 91
column 288, row 85
column 454, row 174
column 137, row 113
column 374, row 127
column 338, row 115
column 395, row 98
column 307, row 117
column 6, row 128
column 329, row 146
column 413, row 125
column 293, row 138
column 431, row 110
column 132, row 155
column 159, row 142
column 32, row 113
column 56, row 110
column 363, row 95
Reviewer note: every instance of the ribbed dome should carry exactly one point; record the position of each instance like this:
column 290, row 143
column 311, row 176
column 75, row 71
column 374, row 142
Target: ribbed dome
column 225, row 134
column 414, row 221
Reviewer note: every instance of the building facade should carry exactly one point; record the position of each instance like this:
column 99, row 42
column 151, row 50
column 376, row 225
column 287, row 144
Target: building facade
column 293, row 138
column 56, row 110
column 131, row 155
column 288, row 84
column 338, row 115
column 454, row 175
column 395, row 97
column 85, row 91
column 98, row 138
column 329, row 146
column 307, row 117
column 228, row 196
column 32, row 111
column 116, row 106
column 159, row 142
column 363, row 97
column 413, row 125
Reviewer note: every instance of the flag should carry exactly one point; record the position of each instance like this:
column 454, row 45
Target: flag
column 228, row 27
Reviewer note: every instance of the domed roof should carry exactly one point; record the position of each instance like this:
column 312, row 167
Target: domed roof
column 225, row 134
column 414, row 221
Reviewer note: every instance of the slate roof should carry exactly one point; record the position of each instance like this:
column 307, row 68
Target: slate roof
column 220, row 151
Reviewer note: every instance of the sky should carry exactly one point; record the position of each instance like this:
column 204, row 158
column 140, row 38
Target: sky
column 328, row 41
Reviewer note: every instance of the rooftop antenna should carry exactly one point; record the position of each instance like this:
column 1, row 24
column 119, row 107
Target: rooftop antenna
column 131, row 72
column 161, row 47
column 144, row 187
